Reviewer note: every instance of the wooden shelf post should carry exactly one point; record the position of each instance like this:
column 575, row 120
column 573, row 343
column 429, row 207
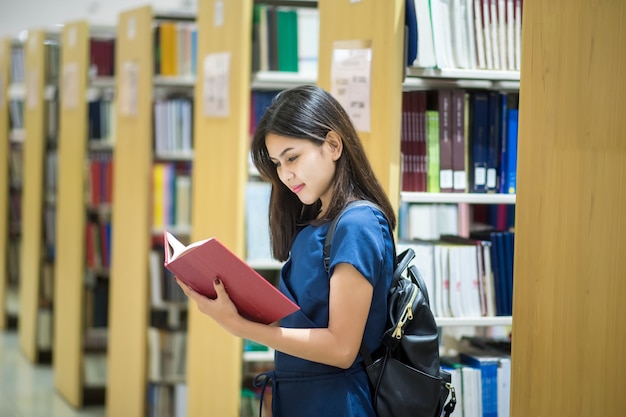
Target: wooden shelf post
column 33, row 193
column 220, row 169
column 70, row 217
column 5, row 67
column 569, row 338
column 131, row 220
column 382, row 24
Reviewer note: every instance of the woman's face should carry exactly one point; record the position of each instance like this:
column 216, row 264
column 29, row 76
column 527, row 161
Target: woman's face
column 306, row 168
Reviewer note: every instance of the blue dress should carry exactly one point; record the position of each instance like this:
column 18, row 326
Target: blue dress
column 302, row 388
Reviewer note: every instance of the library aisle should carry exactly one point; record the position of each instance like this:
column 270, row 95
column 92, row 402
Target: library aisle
column 27, row 390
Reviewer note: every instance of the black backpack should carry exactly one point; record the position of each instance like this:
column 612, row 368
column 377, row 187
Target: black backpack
column 405, row 374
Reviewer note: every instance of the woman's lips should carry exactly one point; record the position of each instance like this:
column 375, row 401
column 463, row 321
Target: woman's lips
column 297, row 188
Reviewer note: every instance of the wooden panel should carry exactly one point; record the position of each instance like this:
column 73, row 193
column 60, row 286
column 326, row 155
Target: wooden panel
column 220, row 169
column 5, row 65
column 132, row 205
column 70, row 250
column 32, row 197
column 569, row 338
column 382, row 23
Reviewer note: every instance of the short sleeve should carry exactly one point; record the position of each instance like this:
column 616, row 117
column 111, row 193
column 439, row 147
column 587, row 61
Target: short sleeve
column 359, row 240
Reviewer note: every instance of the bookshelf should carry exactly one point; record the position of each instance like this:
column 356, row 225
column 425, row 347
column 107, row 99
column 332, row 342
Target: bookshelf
column 5, row 66
column 135, row 383
column 38, row 198
column 80, row 376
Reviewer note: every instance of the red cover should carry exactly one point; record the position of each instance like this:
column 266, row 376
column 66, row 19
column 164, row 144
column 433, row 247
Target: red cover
column 255, row 297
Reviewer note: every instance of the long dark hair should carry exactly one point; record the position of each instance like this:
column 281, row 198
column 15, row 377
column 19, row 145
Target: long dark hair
column 309, row 112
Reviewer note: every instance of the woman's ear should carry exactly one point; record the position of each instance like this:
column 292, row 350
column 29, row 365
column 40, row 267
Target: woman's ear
column 335, row 144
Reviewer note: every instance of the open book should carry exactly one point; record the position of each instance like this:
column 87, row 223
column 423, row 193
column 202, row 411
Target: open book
column 199, row 263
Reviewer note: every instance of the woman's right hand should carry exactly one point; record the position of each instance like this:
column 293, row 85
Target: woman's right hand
column 221, row 308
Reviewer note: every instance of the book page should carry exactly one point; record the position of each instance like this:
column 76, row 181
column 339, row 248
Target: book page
column 176, row 248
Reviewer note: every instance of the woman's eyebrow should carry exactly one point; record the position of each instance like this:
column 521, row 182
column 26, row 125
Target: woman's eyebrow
column 282, row 153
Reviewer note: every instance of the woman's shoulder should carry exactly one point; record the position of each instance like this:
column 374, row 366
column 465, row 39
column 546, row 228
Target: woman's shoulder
column 362, row 214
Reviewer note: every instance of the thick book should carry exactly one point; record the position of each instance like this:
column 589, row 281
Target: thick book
column 200, row 263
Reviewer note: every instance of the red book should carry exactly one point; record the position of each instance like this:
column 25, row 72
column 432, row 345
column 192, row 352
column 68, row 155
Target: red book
column 200, row 263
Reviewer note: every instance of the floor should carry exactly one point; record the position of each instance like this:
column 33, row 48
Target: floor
column 27, row 390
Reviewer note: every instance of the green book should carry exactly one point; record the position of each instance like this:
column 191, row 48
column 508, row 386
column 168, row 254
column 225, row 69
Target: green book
column 432, row 152
column 287, row 37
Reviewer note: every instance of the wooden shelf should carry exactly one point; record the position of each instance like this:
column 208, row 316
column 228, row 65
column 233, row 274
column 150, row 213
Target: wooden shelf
column 16, row 91
column 259, row 356
column 268, row 264
column 457, row 198
column 280, row 80
column 474, row 321
column 430, row 78
column 174, row 81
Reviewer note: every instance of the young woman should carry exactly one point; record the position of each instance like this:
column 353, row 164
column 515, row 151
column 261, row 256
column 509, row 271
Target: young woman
column 307, row 147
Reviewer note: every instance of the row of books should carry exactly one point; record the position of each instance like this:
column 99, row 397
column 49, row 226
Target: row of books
column 482, row 382
column 52, row 64
column 285, row 39
column 49, row 232
column 163, row 287
column 457, row 140
column 464, row 34
column 96, row 312
column 467, row 277
column 167, row 355
column 16, row 75
column 171, row 187
column 16, row 171
column 51, row 168
column 259, row 102
column 173, row 125
column 98, row 244
column 44, row 329
column 167, row 400
column 258, row 246
column 16, row 114
column 175, row 48
column 101, row 57
column 99, row 179
column 101, row 122
column 428, row 221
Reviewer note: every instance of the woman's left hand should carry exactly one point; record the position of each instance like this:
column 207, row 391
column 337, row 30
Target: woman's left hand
column 221, row 308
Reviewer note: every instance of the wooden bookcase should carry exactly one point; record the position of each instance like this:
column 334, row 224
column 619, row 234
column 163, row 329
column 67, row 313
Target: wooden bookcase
column 33, row 258
column 5, row 67
column 72, row 357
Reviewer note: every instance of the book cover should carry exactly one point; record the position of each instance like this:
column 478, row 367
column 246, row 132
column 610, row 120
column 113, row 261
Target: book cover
column 479, row 121
column 459, row 179
column 201, row 262
column 488, row 366
column 432, row 152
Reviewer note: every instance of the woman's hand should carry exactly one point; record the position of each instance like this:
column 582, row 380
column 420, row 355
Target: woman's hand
column 221, row 308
